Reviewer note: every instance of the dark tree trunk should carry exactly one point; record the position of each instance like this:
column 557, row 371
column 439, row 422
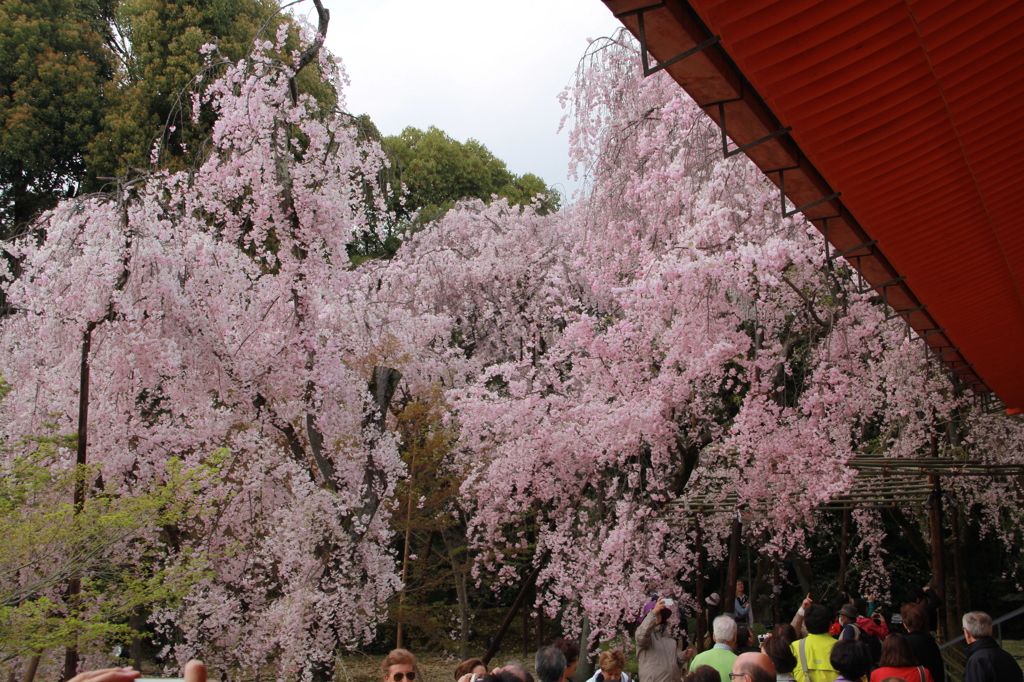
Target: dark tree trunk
column 844, row 548
column 586, row 667
column 776, row 592
column 729, row 598
column 136, row 623
column 462, row 593
column 81, row 459
column 541, row 639
column 516, row 606
column 527, row 631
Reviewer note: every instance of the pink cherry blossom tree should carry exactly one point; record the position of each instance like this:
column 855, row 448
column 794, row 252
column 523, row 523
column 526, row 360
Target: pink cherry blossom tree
column 668, row 338
column 205, row 312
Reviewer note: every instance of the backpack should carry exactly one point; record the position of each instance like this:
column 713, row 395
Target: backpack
column 875, row 645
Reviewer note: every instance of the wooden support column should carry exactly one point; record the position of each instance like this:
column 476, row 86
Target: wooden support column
column 938, row 563
column 702, row 565
column 33, row 666
column 733, row 574
column 844, row 547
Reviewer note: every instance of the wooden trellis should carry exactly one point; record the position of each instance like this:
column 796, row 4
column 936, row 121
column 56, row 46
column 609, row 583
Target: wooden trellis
column 881, row 483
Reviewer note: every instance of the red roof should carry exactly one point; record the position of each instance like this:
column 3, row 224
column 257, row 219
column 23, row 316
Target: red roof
column 912, row 110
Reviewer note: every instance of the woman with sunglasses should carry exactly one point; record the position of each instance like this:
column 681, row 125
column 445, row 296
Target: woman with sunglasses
column 400, row 666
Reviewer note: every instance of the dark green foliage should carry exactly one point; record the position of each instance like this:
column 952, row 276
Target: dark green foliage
column 159, row 61
column 438, row 171
column 54, row 69
column 88, row 86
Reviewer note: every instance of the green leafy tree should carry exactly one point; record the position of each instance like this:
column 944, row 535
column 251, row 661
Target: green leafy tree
column 159, row 61
column 429, row 173
column 54, row 69
column 88, row 86
column 438, row 170
column 112, row 545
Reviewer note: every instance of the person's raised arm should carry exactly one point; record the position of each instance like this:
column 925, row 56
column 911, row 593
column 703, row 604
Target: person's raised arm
column 798, row 619
column 643, row 633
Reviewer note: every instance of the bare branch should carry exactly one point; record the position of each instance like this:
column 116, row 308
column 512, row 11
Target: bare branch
column 310, row 53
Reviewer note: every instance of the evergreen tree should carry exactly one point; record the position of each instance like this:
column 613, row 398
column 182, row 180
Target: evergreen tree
column 88, row 86
column 54, row 68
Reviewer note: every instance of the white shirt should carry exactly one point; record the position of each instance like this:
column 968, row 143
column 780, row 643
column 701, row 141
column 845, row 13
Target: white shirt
column 622, row 678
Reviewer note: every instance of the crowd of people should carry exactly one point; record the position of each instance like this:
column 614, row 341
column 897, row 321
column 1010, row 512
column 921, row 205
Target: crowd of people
column 855, row 646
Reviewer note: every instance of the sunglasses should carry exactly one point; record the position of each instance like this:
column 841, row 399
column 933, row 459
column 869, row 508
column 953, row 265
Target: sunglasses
column 398, row 677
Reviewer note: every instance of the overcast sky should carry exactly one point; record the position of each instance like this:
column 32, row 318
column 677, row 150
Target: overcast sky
column 484, row 69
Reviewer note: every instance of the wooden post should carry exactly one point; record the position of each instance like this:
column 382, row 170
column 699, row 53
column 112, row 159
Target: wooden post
column 33, row 666
column 733, row 574
column 751, row 584
column 938, row 565
column 526, row 633
column 844, row 546
column 958, row 576
column 702, row 563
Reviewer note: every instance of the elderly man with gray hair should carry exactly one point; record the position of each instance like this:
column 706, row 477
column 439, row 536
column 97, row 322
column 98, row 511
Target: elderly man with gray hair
column 986, row 661
column 550, row 664
column 721, row 656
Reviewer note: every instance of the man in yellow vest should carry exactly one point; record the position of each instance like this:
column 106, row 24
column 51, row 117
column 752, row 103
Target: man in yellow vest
column 813, row 651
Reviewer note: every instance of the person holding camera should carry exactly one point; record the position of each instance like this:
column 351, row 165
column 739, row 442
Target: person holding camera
column 657, row 650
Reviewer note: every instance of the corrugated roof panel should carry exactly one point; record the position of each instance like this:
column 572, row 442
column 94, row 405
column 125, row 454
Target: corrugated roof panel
column 915, row 112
